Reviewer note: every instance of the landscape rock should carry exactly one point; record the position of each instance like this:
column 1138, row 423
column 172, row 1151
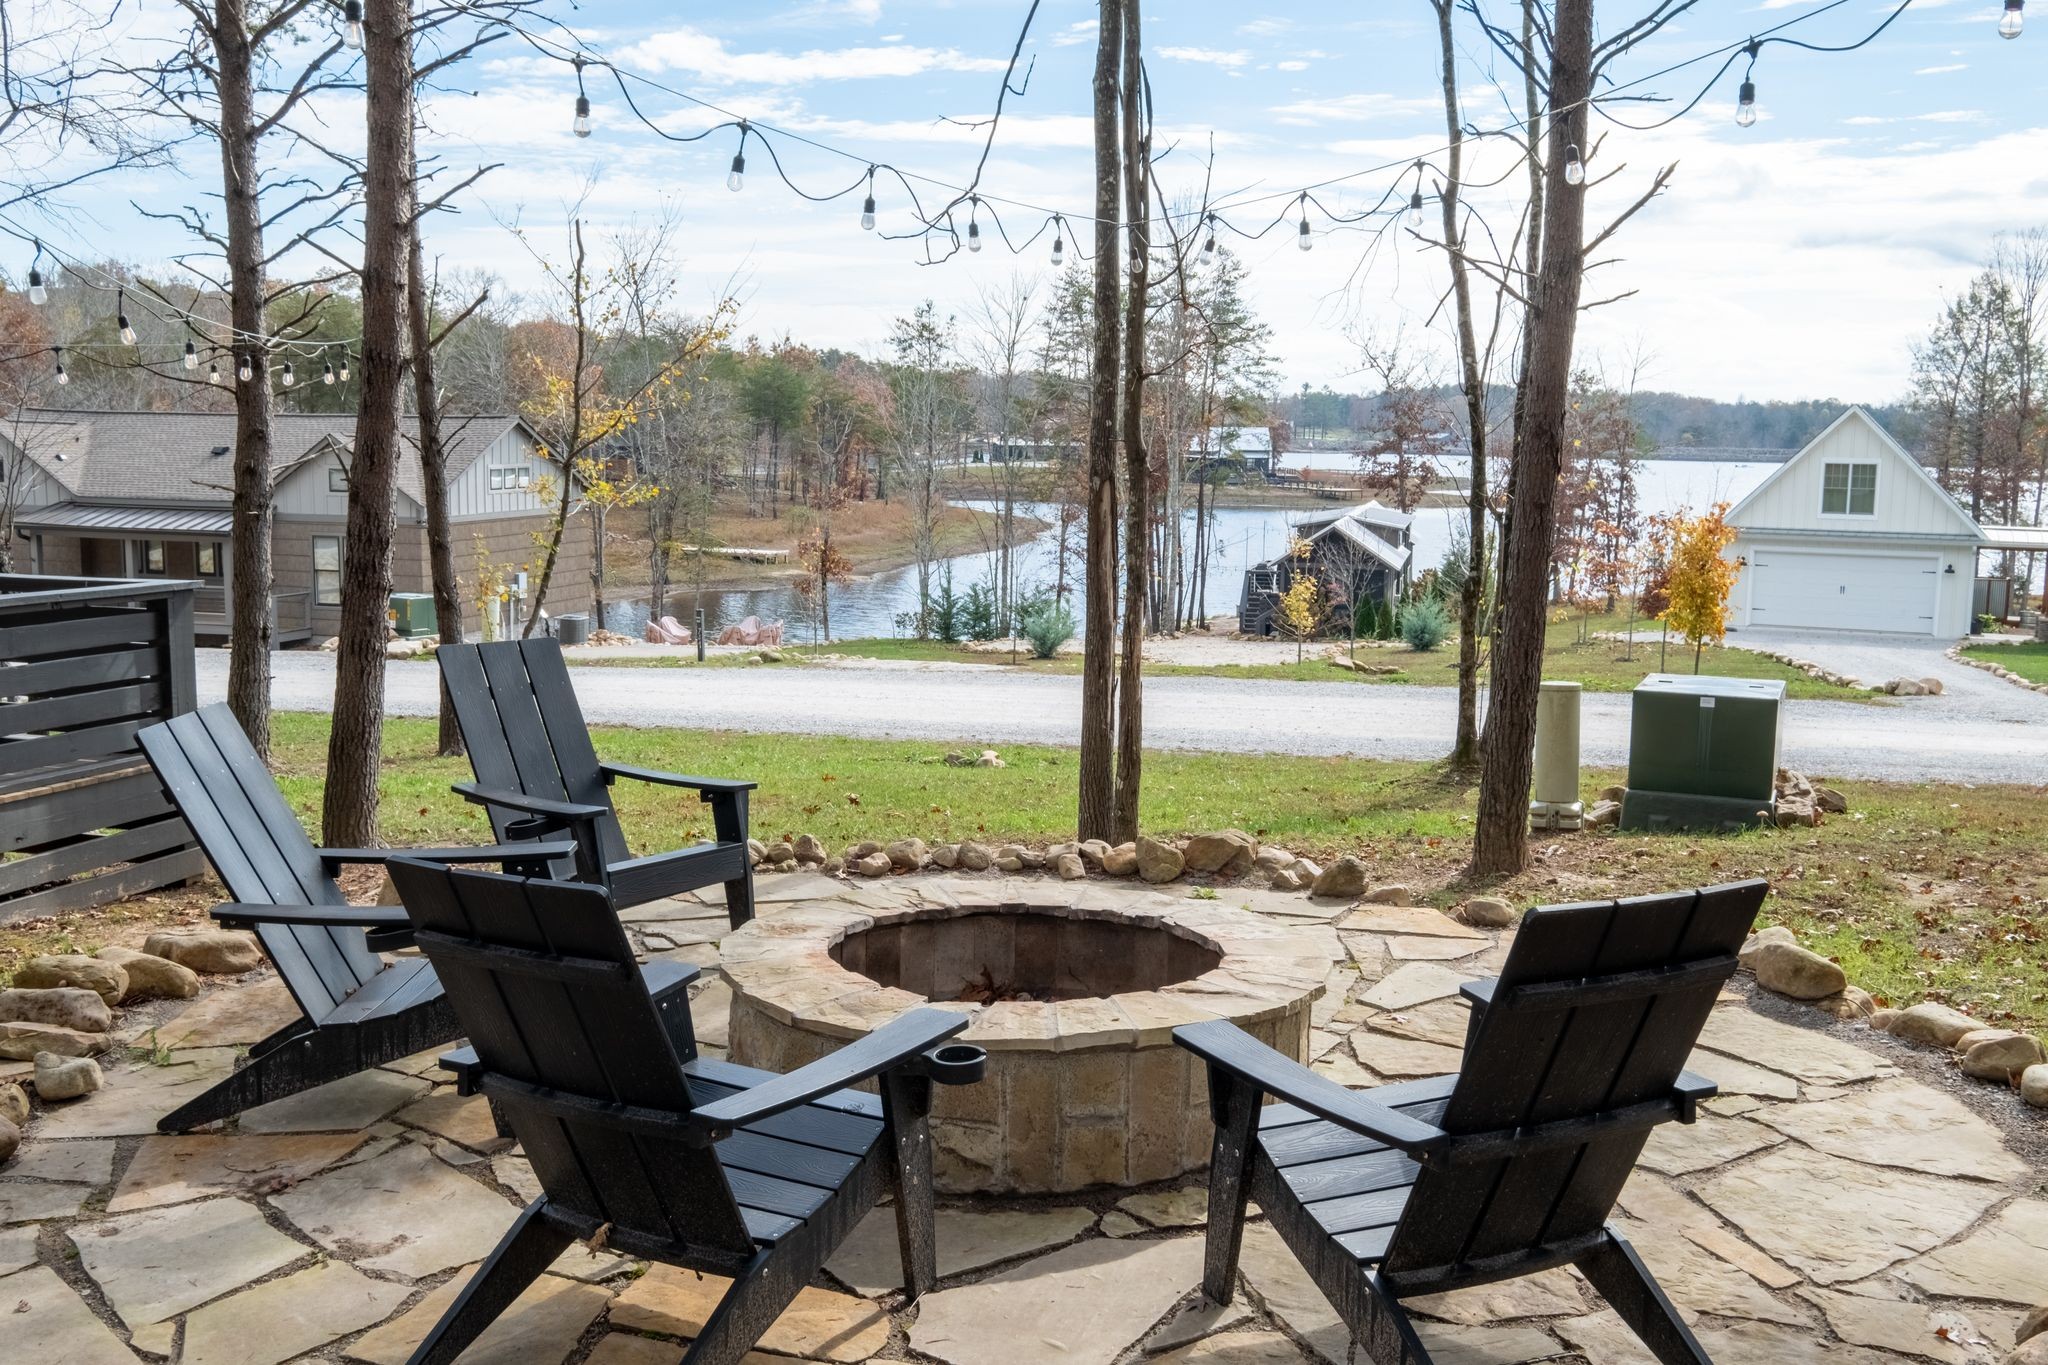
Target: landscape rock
column 976, row 857
column 1800, row 973
column 990, row 759
column 855, row 852
column 2034, row 1352
column 1776, row 933
column 1934, row 687
column 1904, row 687
column 1831, row 801
column 1287, row 879
column 2031, row 1326
column 13, row 1104
column 755, row 848
column 1616, row 793
column 1998, row 1054
column 1933, row 1023
column 1226, row 853
column 907, row 854
column 808, row 848
column 66, row 1078
column 21, row 1041
column 151, row 977
column 1093, row 851
column 1070, row 867
column 1121, row 861
column 1389, row 895
column 2034, row 1086
column 872, row 864
column 781, row 851
column 1489, row 912
column 945, row 855
column 104, row 979
column 1344, row 879
column 1159, row 861
column 10, row 1139
column 223, row 952
column 1797, row 812
column 1851, row 1002
column 70, row 1007
column 1272, row 858
column 1882, row 1019
column 1602, row 815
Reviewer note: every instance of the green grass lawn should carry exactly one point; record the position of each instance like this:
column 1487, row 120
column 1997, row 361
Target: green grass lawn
column 2029, row 660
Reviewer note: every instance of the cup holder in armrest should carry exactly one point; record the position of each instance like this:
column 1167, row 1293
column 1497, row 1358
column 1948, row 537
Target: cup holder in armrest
column 956, row 1063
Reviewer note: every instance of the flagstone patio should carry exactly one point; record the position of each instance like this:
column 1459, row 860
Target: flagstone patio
column 1836, row 1203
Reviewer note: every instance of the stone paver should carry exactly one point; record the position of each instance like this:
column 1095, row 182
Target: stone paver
column 407, row 1212
column 1826, row 1208
column 156, row 1264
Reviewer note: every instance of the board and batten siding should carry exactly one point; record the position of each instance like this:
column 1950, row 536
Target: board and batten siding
column 1907, row 503
column 470, row 495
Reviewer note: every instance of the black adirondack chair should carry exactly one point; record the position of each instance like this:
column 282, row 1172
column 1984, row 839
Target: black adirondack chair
column 359, row 1009
column 536, row 771
column 675, row 1157
column 1511, row 1166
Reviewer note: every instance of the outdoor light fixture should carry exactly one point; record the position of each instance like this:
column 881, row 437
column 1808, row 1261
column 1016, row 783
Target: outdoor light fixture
column 288, row 378
column 191, row 356
column 244, row 371
column 1209, row 247
column 213, row 372
column 581, row 127
column 343, row 375
column 1059, row 242
column 1745, row 98
column 352, row 23
column 327, row 373
column 737, row 177
column 1574, row 169
column 62, row 378
column 1302, row 237
column 2013, row 20
column 37, row 295
column 1415, row 210
column 121, row 317
column 973, row 228
column 867, row 205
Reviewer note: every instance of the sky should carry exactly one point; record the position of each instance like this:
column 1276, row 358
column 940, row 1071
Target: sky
column 1798, row 258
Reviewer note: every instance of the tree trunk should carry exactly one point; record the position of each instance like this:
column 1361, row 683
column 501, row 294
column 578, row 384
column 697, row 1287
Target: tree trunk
column 349, row 816
column 433, row 473
column 1500, row 842
column 249, row 630
column 1130, row 717
column 1098, row 680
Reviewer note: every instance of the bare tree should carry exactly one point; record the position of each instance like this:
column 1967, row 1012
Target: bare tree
column 1130, row 705
column 998, row 340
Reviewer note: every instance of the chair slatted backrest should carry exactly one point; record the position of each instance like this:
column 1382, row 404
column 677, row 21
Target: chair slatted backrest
column 524, row 729
column 546, row 988
column 1570, row 1036
column 259, row 850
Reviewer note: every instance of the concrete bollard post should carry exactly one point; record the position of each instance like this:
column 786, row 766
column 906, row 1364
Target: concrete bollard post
column 1557, row 805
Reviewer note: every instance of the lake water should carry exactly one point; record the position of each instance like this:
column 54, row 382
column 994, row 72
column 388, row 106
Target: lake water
column 1244, row 536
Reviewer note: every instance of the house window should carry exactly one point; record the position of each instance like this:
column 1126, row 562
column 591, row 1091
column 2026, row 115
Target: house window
column 1848, row 490
column 327, row 571
column 509, row 478
column 337, row 480
column 209, row 559
column 150, row 555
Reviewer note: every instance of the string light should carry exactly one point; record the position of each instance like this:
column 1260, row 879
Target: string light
column 327, row 374
column 1415, row 202
column 288, row 377
column 1302, row 238
column 973, row 228
column 738, row 175
column 867, row 205
column 352, row 24
column 37, row 295
column 62, row 378
column 1574, row 169
column 213, row 372
column 344, row 367
column 1745, row 97
column 244, row 371
column 1059, row 241
column 121, row 317
column 581, row 127
column 2013, row 20
column 1209, row 247
column 191, row 356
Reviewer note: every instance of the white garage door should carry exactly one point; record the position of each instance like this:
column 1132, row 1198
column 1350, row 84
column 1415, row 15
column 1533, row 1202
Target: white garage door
column 1844, row 591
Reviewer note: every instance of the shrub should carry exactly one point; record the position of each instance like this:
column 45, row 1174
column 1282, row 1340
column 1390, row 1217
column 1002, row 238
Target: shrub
column 944, row 613
column 1047, row 625
column 1424, row 624
column 979, row 616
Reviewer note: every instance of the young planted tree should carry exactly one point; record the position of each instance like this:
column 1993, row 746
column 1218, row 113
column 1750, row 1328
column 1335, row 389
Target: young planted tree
column 931, row 409
column 1699, row 578
column 1300, row 607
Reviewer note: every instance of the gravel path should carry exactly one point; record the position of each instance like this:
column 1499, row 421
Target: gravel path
column 1933, row 738
column 1970, row 696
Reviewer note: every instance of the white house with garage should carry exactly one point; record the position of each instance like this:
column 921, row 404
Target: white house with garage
column 1852, row 533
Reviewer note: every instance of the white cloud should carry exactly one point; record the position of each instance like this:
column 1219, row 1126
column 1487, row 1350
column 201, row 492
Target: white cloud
column 1360, row 108
column 1073, row 35
column 1942, row 70
column 1208, row 55
column 1267, row 27
column 707, row 57
column 1290, row 66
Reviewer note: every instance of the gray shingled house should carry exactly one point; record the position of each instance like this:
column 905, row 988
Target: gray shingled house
column 149, row 494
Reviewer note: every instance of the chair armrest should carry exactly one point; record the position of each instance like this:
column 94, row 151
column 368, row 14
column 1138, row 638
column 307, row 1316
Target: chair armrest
column 1689, row 1089
column 1480, row 993
column 708, row 785
column 530, row 805
column 236, row 915
column 903, row 1039
column 462, row 1063
column 1223, row 1044
column 480, row 853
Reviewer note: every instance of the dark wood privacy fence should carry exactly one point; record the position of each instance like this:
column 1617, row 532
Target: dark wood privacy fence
column 84, row 664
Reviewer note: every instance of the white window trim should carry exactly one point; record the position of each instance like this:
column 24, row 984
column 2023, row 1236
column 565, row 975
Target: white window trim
column 509, row 478
column 337, row 475
column 316, row 571
column 1852, row 466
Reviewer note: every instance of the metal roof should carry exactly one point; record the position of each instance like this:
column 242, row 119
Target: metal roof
column 72, row 516
column 2015, row 538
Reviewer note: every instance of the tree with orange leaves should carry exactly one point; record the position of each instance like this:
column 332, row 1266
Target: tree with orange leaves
column 1700, row 577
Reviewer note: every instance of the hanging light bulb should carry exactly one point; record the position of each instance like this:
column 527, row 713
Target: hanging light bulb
column 973, row 228
column 1302, row 238
column 581, row 127
column 1137, row 261
column 352, row 23
column 244, row 371
column 191, row 356
column 1209, row 247
column 737, row 177
column 1574, row 169
column 1059, row 242
column 37, row 295
column 121, row 317
column 288, row 377
column 2013, row 20
column 1745, row 105
column 62, row 378
column 867, row 205
column 1415, row 210
column 343, row 376
column 327, row 373
column 213, row 372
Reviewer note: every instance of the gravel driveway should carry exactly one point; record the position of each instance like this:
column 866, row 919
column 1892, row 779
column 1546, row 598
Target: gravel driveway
column 1969, row 693
column 1904, row 740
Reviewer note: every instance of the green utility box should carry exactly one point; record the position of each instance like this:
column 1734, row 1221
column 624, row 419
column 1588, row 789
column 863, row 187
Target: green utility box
column 412, row 615
column 1702, row 752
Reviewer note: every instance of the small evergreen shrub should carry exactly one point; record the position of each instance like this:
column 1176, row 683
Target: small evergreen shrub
column 1046, row 625
column 1424, row 624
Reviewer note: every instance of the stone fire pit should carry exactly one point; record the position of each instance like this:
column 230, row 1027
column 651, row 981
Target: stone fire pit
column 1083, row 990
